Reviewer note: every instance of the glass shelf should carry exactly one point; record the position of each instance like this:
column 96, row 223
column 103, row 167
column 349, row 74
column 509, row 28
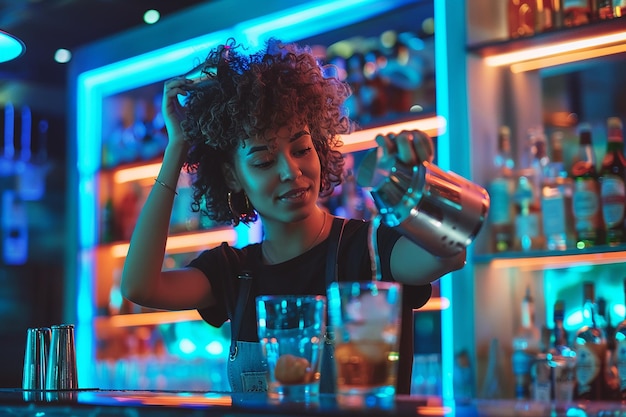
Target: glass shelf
column 541, row 260
column 568, row 34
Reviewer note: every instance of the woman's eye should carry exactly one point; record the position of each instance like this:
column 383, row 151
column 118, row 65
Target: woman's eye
column 303, row 152
column 263, row 164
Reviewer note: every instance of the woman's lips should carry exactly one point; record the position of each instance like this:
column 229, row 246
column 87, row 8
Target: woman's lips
column 294, row 195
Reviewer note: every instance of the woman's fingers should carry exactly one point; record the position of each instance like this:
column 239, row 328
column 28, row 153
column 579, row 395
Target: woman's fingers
column 406, row 152
column 423, row 146
column 175, row 86
column 386, row 142
column 410, row 147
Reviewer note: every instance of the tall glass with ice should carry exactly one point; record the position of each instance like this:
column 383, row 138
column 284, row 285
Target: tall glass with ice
column 365, row 319
column 291, row 331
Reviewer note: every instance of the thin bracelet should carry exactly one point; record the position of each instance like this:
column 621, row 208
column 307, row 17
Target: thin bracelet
column 172, row 189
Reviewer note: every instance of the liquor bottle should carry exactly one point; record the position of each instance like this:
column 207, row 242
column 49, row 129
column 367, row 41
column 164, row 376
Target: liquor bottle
column 527, row 201
column 544, row 16
column 539, row 163
column 577, row 12
column 563, row 358
column 501, row 190
column 612, row 184
column 107, row 222
column 526, row 346
column 556, row 8
column 559, row 334
column 521, row 18
column 542, row 370
column 604, row 9
column 611, row 374
column 586, row 194
column 590, row 346
column 620, row 351
column 528, row 234
column 556, row 196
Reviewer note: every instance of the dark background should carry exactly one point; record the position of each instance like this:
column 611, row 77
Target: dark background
column 32, row 294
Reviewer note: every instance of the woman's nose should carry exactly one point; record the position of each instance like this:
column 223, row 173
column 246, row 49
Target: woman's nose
column 289, row 168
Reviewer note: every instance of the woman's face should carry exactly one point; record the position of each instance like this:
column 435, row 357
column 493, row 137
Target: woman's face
column 281, row 177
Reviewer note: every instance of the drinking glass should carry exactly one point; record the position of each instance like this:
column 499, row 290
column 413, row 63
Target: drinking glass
column 365, row 319
column 291, row 330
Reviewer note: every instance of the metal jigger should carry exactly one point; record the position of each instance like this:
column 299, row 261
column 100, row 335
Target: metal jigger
column 61, row 373
column 35, row 362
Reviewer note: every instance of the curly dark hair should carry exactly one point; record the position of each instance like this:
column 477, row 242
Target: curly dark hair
column 242, row 96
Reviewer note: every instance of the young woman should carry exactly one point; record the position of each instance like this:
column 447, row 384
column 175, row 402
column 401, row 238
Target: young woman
column 260, row 133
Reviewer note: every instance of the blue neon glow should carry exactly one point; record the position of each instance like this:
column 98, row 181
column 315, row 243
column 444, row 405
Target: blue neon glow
column 443, row 161
column 92, row 86
column 312, row 18
column 10, row 47
column 187, row 346
column 215, row 348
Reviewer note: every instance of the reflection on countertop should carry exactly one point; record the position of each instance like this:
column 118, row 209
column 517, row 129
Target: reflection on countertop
column 106, row 403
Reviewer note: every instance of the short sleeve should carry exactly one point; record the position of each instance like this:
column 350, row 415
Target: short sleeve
column 217, row 314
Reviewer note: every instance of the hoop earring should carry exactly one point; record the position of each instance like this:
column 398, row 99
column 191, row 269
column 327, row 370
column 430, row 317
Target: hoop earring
column 247, row 215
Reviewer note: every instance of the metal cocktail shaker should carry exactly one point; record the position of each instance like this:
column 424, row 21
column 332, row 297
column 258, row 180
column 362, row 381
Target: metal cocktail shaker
column 61, row 370
column 440, row 211
column 36, row 358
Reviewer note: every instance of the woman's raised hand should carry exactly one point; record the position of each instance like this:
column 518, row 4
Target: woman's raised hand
column 173, row 111
column 409, row 146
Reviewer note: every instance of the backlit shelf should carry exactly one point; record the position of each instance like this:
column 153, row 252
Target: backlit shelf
column 544, row 260
column 557, row 47
column 183, row 243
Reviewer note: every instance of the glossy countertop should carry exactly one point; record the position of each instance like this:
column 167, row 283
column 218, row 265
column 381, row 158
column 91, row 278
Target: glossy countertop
column 107, row 403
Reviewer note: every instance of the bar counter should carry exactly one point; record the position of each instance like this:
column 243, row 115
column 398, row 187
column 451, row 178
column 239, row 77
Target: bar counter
column 108, row 403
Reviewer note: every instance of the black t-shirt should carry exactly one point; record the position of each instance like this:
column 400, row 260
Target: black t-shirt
column 304, row 274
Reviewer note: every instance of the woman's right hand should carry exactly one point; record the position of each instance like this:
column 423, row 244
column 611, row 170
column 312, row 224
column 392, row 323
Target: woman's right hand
column 173, row 111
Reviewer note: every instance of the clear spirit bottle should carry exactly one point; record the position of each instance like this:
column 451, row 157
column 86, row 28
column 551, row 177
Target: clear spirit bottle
column 501, row 189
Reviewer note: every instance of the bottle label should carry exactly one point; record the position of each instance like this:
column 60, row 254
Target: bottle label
column 553, row 211
column 587, row 368
column 613, row 196
column 500, row 201
column 527, row 226
column 586, row 204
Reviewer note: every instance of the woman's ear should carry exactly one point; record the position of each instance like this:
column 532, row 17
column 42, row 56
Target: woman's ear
column 231, row 178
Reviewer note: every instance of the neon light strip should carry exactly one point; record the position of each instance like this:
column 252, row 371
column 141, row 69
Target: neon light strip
column 443, row 161
column 436, row 304
column 561, row 261
column 559, row 48
column 136, row 173
column 184, row 243
column 365, row 139
column 313, row 17
column 574, row 56
column 176, row 400
column 150, row 319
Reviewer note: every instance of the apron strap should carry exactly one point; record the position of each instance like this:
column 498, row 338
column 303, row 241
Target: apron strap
column 336, row 232
column 245, row 281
